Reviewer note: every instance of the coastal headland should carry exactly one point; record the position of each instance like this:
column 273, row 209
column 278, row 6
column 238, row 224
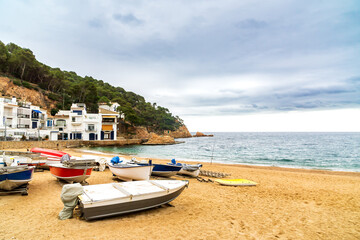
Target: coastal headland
column 286, row 204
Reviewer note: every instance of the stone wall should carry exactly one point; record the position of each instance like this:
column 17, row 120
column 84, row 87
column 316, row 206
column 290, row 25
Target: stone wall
column 65, row 144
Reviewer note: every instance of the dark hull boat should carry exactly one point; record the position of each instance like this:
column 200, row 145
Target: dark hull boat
column 105, row 200
column 13, row 177
column 164, row 170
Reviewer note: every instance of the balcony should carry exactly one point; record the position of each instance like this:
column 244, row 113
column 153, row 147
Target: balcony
column 91, row 129
column 60, row 123
column 9, row 114
column 20, row 115
column 23, row 126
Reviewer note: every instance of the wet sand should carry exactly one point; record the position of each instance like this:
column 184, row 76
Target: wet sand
column 286, row 204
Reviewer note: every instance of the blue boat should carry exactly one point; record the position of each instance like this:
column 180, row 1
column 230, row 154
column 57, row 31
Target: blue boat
column 164, row 170
column 13, row 177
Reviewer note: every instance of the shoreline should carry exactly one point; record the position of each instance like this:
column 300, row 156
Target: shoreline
column 279, row 168
column 286, row 204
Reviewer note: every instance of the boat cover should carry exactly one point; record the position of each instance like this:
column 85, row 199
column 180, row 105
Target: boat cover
column 116, row 160
column 64, row 158
column 69, row 196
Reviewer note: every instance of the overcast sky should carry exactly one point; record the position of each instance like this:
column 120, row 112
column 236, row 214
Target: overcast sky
column 220, row 65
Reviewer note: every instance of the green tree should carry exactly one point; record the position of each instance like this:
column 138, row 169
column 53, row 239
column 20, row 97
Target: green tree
column 104, row 99
column 4, row 56
column 54, row 111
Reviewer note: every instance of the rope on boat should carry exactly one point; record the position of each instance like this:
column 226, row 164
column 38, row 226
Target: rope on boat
column 213, row 174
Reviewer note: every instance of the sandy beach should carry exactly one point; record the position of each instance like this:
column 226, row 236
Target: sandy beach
column 286, row 204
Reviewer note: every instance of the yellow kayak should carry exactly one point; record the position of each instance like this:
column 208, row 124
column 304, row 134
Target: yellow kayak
column 236, row 182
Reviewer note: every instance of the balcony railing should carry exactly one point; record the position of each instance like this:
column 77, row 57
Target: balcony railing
column 23, row 115
column 108, row 123
column 10, row 114
column 91, row 129
column 23, row 126
column 108, row 120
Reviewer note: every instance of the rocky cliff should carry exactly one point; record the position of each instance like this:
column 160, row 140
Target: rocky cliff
column 38, row 98
column 155, row 139
column 182, row 132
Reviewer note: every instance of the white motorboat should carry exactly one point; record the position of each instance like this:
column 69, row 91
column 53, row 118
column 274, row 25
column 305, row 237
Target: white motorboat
column 192, row 170
column 131, row 171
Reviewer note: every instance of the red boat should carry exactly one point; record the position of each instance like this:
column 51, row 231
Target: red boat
column 72, row 170
column 53, row 156
column 70, row 174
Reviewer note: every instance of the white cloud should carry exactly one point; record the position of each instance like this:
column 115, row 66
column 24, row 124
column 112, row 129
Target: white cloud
column 202, row 58
column 342, row 120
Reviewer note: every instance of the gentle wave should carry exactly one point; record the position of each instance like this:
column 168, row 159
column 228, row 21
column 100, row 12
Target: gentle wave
column 330, row 151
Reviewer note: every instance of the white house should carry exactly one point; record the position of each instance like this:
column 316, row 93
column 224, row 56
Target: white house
column 8, row 116
column 22, row 119
column 108, row 124
column 76, row 123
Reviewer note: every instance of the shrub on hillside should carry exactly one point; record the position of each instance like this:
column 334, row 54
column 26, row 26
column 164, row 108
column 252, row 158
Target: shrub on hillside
column 17, row 82
column 53, row 96
column 27, row 85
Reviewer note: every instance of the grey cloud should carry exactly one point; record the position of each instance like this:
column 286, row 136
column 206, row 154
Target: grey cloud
column 251, row 24
column 127, row 19
column 96, row 23
column 271, row 39
column 232, row 101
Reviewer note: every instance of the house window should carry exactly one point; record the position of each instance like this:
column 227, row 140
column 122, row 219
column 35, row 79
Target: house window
column 79, row 112
column 109, row 120
column 91, row 127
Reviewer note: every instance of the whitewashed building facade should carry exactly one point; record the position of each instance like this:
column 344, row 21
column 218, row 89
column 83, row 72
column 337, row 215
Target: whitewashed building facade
column 22, row 119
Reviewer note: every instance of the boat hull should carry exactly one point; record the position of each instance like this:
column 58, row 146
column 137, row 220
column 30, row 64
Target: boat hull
column 189, row 173
column 53, row 156
column 35, row 163
column 23, row 160
column 132, row 204
column 164, row 173
column 136, row 172
column 68, row 174
column 13, row 180
column 164, row 170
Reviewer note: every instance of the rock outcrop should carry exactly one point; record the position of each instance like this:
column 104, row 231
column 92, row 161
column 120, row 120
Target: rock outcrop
column 200, row 134
column 155, row 139
column 142, row 133
column 182, row 132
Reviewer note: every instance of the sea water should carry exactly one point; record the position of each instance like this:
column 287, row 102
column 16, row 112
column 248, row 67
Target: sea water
column 328, row 151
